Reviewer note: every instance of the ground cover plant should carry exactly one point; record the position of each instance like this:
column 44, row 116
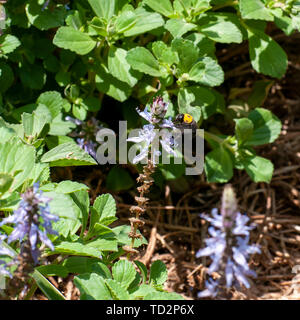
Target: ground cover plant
column 75, row 227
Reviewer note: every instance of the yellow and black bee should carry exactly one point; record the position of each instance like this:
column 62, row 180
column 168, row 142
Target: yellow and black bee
column 185, row 121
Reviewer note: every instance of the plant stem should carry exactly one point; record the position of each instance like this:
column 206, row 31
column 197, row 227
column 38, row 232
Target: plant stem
column 221, row 141
column 135, row 222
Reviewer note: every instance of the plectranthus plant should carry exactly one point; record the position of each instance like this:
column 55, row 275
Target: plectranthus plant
column 228, row 247
column 85, row 134
column 32, row 222
column 155, row 115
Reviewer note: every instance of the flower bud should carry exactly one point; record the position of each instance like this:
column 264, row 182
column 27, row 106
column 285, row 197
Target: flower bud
column 229, row 207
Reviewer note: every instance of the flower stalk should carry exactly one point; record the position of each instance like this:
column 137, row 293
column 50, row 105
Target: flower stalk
column 32, row 222
column 155, row 115
column 136, row 222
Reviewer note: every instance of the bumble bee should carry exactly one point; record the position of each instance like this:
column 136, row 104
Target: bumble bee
column 185, row 121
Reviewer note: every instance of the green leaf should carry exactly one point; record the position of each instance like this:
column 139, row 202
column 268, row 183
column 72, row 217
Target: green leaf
column 6, row 181
column 77, row 248
column 125, row 21
column 92, row 104
column 201, row 5
column 46, row 287
column 164, row 53
column 158, row 273
column 74, row 40
column 172, row 171
column 99, row 229
column 243, row 129
column 104, row 210
column 143, row 269
column 221, row 28
column 205, row 45
column 6, row 132
column 63, row 206
column 196, row 101
column 124, row 272
column 68, row 186
column 178, row 27
column 92, row 287
column 82, row 200
column 79, row 111
column 142, row 291
column 266, row 55
column 145, row 22
column 112, row 86
column 105, row 242
column 67, row 154
column 142, row 60
column 33, row 76
column 163, row 6
column 282, row 21
column 17, row 159
column 6, row 76
column 74, row 20
column 53, row 141
column 135, row 283
column 254, row 9
column 218, row 166
column 120, row 68
column 121, row 233
column 53, row 270
column 59, row 127
column 28, row 108
column 117, row 292
column 10, row 203
column 103, row 8
column 207, row 72
column 45, row 18
column 259, row 92
column 8, row 43
column 119, row 179
column 41, row 172
column 51, row 64
column 67, row 57
column 85, row 264
column 191, row 7
column 266, row 125
column 259, row 169
column 63, row 78
column 53, row 101
column 99, row 26
column 187, row 53
column 33, row 124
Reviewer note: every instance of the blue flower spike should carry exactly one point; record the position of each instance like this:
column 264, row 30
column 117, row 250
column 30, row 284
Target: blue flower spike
column 228, row 246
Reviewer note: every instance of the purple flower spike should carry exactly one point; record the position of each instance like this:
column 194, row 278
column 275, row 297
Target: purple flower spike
column 148, row 135
column 228, row 246
column 33, row 221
